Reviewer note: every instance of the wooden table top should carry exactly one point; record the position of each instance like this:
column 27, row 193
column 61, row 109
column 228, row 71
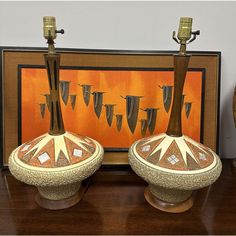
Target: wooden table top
column 114, row 204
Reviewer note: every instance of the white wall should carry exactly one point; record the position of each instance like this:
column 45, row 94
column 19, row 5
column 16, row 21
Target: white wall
column 133, row 25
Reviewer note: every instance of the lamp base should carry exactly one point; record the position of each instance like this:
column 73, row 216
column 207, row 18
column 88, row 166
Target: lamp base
column 63, row 203
column 167, row 206
column 234, row 163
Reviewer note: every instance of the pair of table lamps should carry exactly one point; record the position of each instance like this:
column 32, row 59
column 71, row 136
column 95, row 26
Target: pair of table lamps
column 173, row 165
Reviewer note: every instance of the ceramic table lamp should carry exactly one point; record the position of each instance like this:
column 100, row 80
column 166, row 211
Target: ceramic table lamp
column 57, row 161
column 173, row 164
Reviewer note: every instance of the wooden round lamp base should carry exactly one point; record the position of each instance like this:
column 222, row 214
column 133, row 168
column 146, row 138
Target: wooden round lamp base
column 234, row 163
column 166, row 206
column 60, row 204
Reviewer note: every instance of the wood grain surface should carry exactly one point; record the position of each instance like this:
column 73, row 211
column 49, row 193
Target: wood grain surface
column 114, row 204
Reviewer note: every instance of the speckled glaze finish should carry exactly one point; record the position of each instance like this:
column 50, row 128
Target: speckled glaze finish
column 59, row 192
column 164, row 181
column 58, row 182
column 169, row 195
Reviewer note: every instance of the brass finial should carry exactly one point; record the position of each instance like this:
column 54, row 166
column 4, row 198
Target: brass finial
column 50, row 32
column 185, row 34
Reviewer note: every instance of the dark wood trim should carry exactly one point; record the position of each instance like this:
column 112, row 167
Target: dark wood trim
column 1, row 110
column 218, row 109
column 108, row 51
column 52, row 62
column 180, row 71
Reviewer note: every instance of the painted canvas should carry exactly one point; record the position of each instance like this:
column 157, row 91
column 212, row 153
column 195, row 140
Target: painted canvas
column 115, row 106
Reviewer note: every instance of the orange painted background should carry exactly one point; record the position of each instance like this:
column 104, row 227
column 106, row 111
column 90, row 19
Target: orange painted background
column 82, row 119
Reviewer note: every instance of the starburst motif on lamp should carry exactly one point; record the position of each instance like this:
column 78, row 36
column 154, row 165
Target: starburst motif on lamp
column 180, row 141
column 55, row 151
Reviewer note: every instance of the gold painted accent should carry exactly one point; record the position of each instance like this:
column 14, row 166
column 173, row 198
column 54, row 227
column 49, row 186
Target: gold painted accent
column 185, row 34
column 49, row 27
column 50, row 32
column 185, row 29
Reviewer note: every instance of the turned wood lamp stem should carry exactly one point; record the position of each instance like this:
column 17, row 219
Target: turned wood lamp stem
column 180, row 70
column 52, row 62
column 181, row 62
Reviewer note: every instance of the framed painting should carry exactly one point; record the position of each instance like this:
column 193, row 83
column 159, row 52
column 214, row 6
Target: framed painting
column 115, row 97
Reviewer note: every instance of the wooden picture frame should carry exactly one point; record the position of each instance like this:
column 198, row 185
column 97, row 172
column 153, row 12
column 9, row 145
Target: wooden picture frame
column 14, row 58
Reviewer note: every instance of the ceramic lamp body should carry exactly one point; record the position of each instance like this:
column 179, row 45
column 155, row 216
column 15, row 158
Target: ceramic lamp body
column 174, row 166
column 56, row 165
column 58, row 161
